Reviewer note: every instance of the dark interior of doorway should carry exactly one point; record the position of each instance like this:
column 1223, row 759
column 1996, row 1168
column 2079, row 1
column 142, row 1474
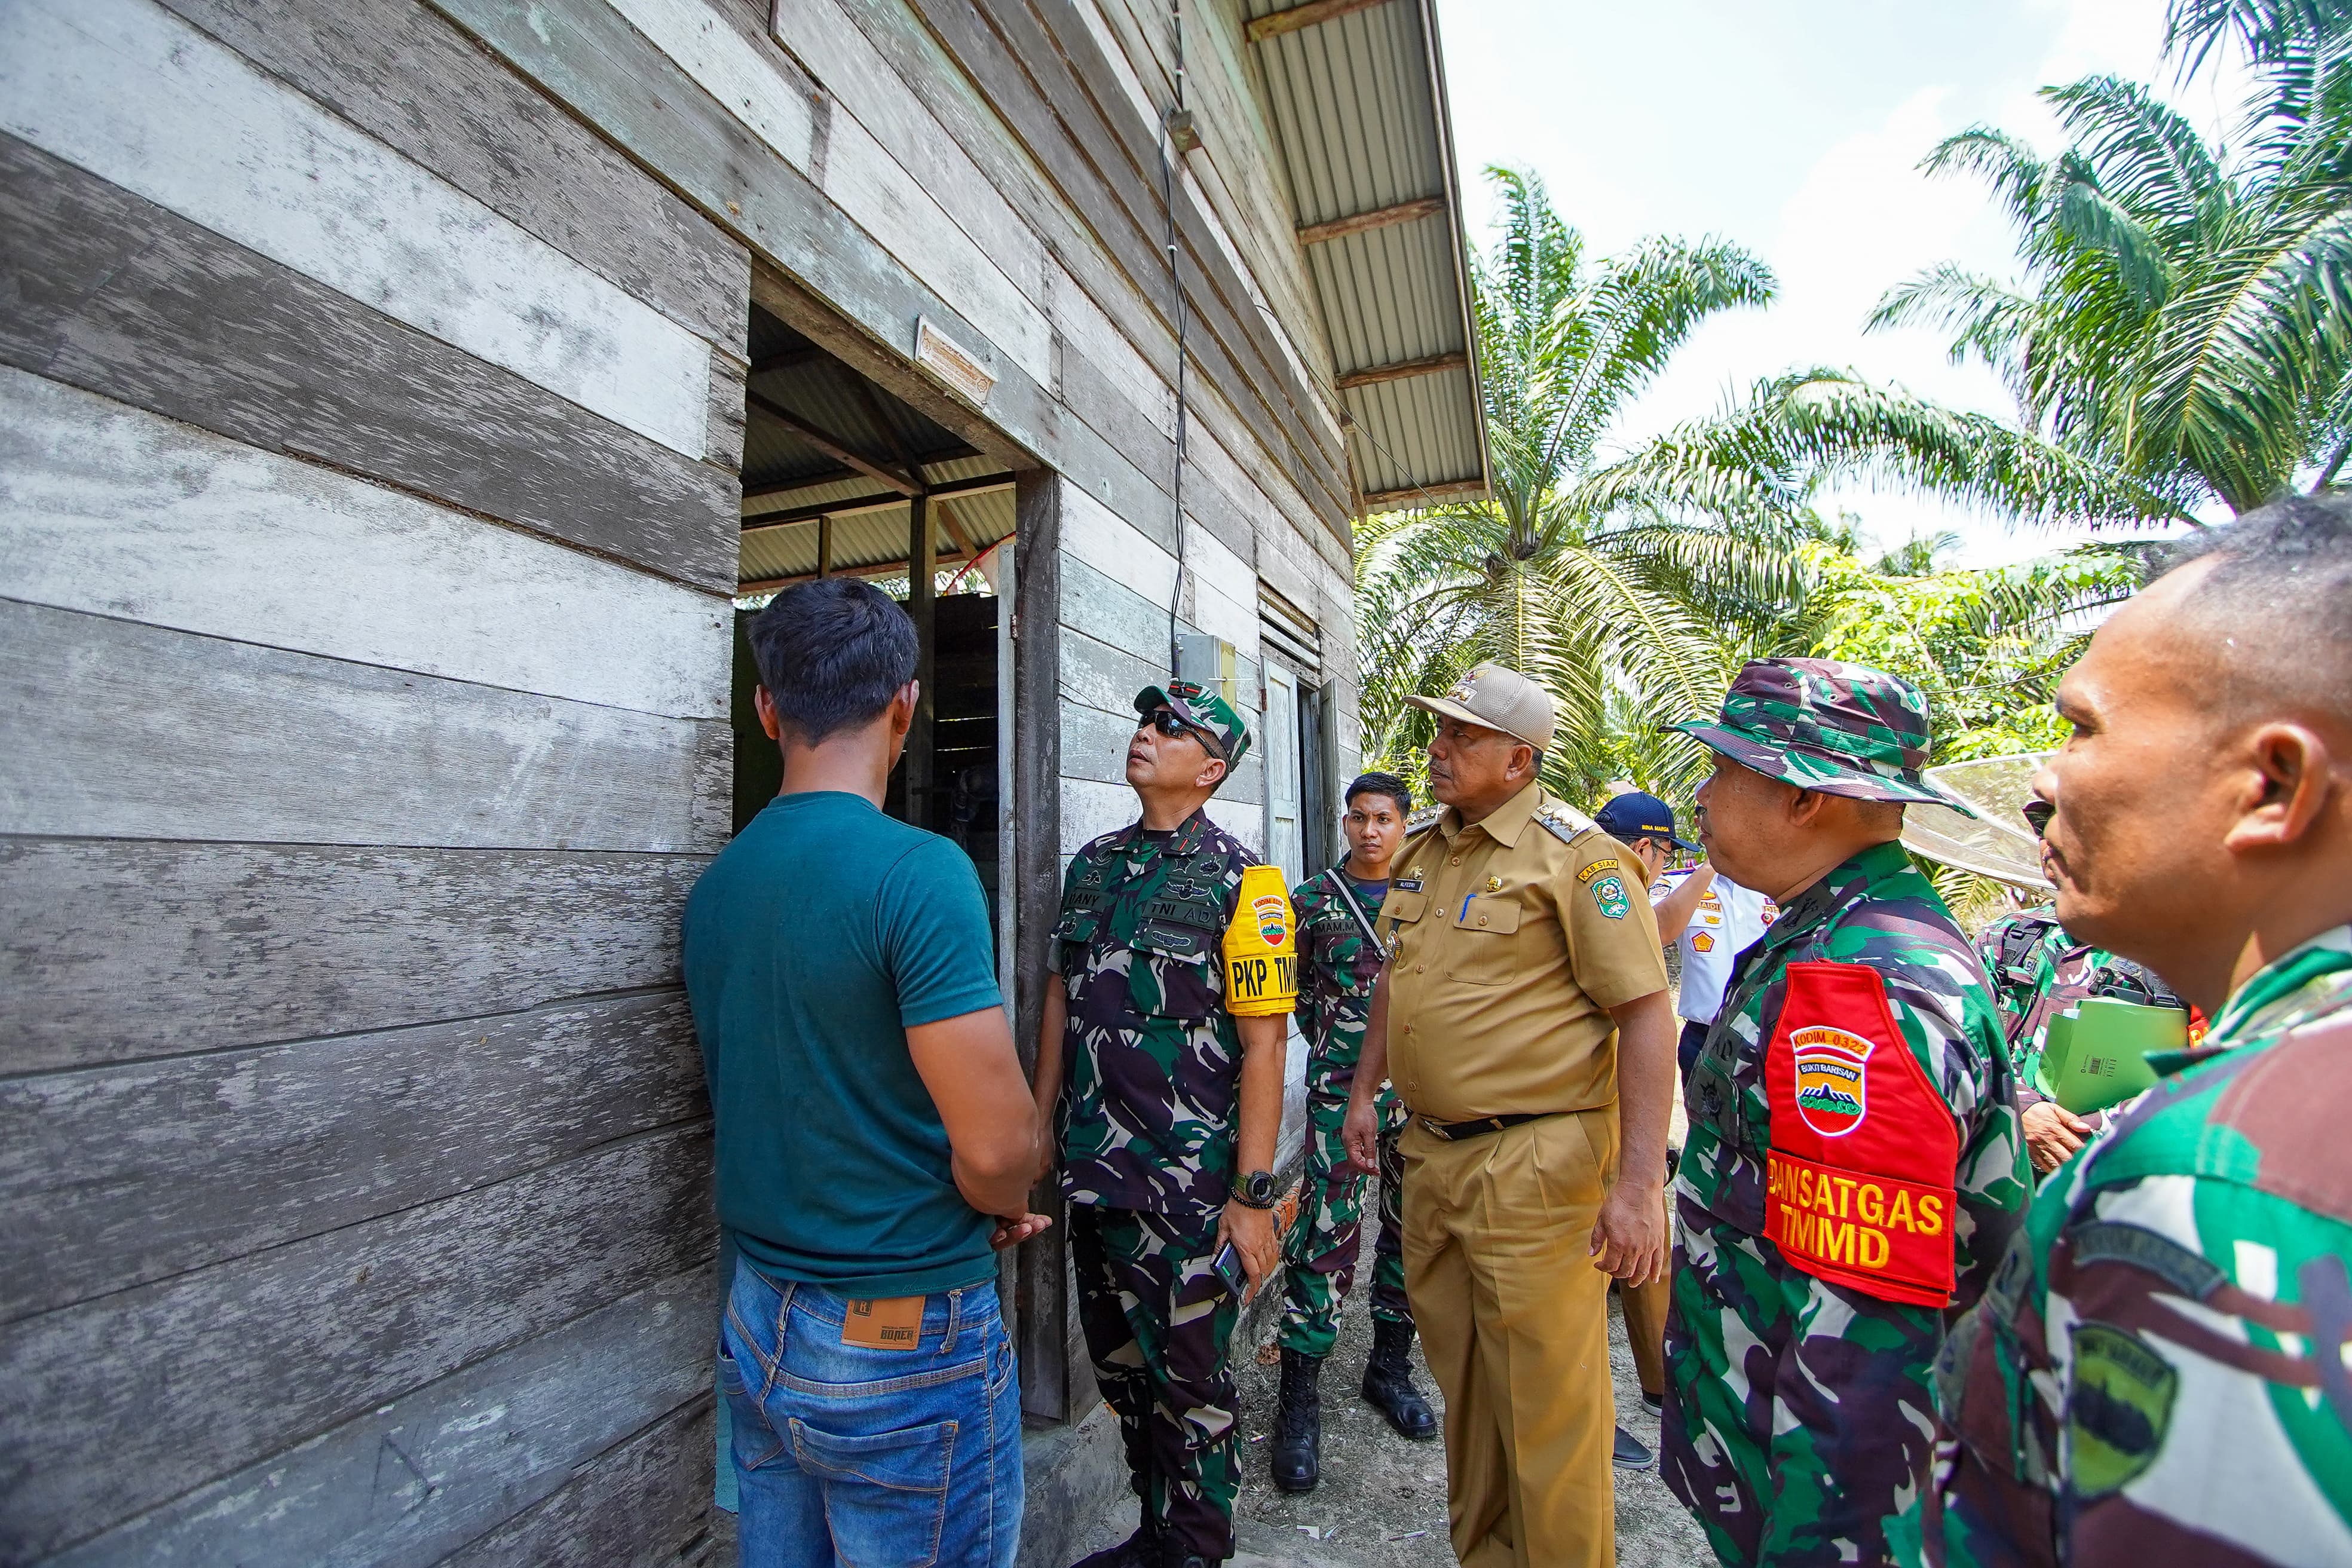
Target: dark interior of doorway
column 836, row 470
column 964, row 758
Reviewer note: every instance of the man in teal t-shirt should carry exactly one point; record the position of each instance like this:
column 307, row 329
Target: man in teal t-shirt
column 875, row 1135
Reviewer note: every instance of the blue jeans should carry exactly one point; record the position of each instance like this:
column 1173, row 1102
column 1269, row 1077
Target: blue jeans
column 870, row 1457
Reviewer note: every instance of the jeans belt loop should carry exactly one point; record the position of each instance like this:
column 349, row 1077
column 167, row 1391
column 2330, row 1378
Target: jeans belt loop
column 955, row 1320
column 785, row 1290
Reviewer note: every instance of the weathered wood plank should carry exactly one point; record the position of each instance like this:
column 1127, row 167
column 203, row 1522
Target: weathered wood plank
column 112, row 294
column 728, row 412
column 582, row 54
column 646, row 1502
column 259, row 745
column 761, row 88
column 116, row 951
column 1403, row 370
column 117, row 512
column 1016, row 59
column 407, row 79
column 123, row 1403
column 860, row 83
column 1275, row 23
column 138, row 96
column 742, row 70
column 1105, row 608
column 1040, row 1319
column 583, row 1408
column 120, row 1176
column 1120, row 266
column 1365, row 222
column 1308, row 443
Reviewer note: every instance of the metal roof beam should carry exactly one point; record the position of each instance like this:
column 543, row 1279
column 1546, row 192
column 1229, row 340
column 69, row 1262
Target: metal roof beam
column 832, row 446
column 1278, row 23
column 1373, row 375
column 1379, row 218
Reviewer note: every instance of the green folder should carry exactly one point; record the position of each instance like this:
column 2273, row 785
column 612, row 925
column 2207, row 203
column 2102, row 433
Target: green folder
column 2095, row 1054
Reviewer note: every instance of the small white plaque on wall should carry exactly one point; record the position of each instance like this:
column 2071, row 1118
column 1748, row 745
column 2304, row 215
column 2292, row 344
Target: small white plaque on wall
column 953, row 364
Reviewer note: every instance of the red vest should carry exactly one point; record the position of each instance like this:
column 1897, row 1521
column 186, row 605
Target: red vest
column 1858, row 1186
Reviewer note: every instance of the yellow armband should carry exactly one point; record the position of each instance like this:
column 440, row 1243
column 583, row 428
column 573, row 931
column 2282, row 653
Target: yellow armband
column 1261, row 948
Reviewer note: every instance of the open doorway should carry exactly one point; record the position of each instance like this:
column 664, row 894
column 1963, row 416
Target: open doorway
column 842, row 478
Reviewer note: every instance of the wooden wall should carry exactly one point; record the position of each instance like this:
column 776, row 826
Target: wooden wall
column 370, row 430
column 370, row 393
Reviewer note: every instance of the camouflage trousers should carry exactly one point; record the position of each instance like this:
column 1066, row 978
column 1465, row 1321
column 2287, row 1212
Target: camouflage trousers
column 1156, row 1322
column 1319, row 1251
column 1799, row 1417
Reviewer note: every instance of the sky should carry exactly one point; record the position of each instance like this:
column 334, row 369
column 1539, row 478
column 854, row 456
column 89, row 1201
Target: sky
column 1793, row 128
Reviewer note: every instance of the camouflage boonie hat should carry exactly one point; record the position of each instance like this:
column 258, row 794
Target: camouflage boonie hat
column 1840, row 729
column 1206, row 711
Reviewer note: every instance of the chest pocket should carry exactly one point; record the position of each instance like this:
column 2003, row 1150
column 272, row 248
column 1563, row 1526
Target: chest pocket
column 1400, row 916
column 1175, row 970
column 1484, row 947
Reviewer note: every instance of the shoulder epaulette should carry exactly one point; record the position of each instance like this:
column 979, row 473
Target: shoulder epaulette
column 1563, row 821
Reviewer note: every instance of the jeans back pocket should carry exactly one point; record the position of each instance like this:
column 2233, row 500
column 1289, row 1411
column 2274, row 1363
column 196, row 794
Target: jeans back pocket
column 885, row 1494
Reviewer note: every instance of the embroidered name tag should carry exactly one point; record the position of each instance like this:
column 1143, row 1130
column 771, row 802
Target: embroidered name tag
column 1596, row 869
column 893, row 1325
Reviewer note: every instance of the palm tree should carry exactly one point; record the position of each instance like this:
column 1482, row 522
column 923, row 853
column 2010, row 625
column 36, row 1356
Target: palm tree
column 2184, row 317
column 1575, row 573
column 1631, row 585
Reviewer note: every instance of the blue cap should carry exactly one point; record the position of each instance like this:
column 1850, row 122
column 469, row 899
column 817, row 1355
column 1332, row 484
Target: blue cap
column 1637, row 815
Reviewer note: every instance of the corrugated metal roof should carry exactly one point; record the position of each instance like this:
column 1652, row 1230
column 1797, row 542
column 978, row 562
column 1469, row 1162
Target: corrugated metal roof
column 1355, row 101
column 797, row 474
column 877, row 536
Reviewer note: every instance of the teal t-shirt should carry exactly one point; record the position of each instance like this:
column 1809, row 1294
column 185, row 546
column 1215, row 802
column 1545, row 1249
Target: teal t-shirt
column 813, row 943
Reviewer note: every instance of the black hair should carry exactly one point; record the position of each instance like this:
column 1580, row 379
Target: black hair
column 2278, row 601
column 832, row 653
column 1388, row 785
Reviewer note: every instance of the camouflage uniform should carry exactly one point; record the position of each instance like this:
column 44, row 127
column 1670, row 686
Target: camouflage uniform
column 1797, row 1403
column 1146, row 1124
column 2162, row 1369
column 1338, row 963
column 2019, row 952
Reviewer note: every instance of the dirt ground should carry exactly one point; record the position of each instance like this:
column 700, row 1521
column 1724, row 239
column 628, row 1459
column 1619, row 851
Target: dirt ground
column 1382, row 1501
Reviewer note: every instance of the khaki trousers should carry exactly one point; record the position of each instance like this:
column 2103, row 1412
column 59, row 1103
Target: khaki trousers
column 1515, row 1320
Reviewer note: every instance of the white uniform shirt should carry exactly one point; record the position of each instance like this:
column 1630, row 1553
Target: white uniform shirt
column 1728, row 917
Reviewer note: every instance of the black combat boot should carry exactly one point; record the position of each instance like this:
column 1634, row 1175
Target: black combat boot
column 1140, row 1550
column 1172, row 1555
column 1387, row 1380
column 1298, row 1425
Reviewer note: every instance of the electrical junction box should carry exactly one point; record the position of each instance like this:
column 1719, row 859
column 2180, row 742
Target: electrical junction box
column 1212, row 662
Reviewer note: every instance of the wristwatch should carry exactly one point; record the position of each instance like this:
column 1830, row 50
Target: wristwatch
column 1256, row 1191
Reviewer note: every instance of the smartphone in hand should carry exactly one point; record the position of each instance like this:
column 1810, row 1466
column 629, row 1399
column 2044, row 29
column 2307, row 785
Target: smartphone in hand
column 1227, row 1267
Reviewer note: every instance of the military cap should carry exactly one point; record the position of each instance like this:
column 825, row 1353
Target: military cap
column 1209, row 714
column 1839, row 729
column 1498, row 698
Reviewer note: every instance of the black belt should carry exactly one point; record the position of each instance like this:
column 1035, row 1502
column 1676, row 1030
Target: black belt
column 1452, row 1131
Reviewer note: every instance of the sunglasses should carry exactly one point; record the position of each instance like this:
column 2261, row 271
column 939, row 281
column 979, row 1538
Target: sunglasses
column 1164, row 719
column 2037, row 815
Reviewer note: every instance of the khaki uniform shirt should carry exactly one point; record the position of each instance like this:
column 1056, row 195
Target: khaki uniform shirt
column 1510, row 939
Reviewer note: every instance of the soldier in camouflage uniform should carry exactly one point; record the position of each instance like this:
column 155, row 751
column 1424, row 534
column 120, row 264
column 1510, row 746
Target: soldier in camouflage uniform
column 2037, row 971
column 1338, row 958
column 1161, row 1056
column 2162, row 1369
column 1853, row 1168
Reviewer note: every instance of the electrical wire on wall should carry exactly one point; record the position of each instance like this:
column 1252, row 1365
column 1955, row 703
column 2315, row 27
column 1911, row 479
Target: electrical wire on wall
column 1175, row 115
